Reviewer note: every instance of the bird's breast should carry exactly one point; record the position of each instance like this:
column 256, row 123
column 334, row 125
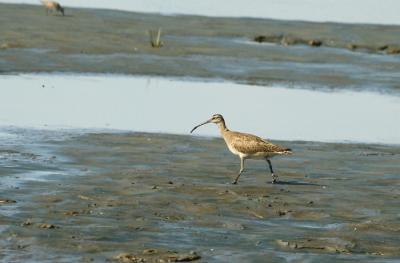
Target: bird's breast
column 232, row 149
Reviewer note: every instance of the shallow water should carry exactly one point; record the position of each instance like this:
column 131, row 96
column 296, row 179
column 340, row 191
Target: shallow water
column 169, row 105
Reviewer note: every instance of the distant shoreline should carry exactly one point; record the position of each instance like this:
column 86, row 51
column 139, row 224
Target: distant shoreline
column 341, row 11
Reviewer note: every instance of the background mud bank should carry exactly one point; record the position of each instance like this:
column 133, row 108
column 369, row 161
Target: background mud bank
column 106, row 41
column 80, row 197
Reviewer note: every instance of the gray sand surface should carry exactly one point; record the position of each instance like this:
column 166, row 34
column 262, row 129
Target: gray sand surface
column 101, row 196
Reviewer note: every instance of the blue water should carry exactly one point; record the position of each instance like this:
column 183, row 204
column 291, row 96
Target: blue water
column 171, row 105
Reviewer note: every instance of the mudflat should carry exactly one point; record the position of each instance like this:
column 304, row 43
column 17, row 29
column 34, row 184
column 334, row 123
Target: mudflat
column 313, row 55
column 83, row 196
column 71, row 197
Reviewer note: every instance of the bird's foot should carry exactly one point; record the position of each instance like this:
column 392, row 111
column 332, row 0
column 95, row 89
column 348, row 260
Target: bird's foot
column 274, row 179
column 234, row 182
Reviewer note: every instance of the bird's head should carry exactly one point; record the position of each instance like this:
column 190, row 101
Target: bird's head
column 216, row 118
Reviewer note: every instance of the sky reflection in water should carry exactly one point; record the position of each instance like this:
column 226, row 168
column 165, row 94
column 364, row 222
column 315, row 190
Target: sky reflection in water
column 154, row 104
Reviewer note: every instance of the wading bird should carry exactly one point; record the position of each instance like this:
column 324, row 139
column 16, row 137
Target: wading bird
column 53, row 6
column 247, row 146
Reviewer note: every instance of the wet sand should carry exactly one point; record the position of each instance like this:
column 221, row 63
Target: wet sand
column 74, row 196
column 106, row 41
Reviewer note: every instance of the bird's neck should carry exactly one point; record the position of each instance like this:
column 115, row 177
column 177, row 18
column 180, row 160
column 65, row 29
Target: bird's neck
column 222, row 127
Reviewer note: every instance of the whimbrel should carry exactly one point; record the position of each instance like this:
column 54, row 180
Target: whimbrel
column 53, row 6
column 246, row 146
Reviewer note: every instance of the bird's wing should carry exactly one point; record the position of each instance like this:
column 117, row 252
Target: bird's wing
column 251, row 144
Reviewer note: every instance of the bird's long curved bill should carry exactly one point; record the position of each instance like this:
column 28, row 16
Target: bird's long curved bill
column 199, row 125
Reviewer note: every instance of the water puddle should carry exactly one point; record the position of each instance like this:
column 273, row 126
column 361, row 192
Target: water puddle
column 165, row 105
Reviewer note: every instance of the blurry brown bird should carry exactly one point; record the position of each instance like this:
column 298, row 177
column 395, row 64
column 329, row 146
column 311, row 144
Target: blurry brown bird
column 53, row 6
column 247, row 146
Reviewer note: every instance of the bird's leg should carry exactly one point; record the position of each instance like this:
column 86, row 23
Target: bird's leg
column 274, row 177
column 241, row 170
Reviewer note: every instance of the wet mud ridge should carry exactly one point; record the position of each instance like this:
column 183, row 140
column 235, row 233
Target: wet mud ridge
column 164, row 198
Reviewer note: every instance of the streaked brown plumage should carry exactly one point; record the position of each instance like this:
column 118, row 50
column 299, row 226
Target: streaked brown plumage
column 250, row 144
column 247, row 146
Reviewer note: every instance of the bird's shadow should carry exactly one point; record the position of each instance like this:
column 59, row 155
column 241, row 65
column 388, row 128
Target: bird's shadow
column 294, row 183
column 62, row 16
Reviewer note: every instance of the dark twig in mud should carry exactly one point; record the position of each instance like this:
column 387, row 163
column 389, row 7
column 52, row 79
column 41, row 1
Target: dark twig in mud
column 155, row 38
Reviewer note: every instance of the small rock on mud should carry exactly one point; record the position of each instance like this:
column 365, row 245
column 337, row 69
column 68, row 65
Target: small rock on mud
column 154, row 255
column 7, row 201
column 393, row 50
column 126, row 257
column 27, row 223
column 48, row 226
column 71, row 213
column 332, row 245
column 315, row 43
column 192, row 256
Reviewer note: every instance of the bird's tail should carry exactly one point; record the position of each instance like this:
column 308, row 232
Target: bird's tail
column 287, row 151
